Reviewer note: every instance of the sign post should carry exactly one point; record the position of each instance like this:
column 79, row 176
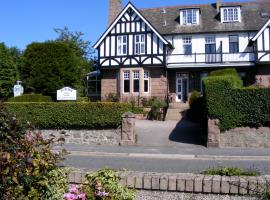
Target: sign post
column 66, row 94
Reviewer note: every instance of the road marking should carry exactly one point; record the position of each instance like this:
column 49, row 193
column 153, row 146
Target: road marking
column 169, row 156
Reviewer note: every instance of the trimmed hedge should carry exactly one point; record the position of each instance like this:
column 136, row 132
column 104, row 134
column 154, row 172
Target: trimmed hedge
column 70, row 115
column 235, row 106
column 224, row 72
column 31, row 98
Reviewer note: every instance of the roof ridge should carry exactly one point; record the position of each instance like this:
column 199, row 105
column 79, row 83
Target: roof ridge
column 205, row 4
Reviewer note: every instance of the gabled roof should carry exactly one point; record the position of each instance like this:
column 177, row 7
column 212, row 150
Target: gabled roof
column 252, row 18
column 261, row 31
column 130, row 5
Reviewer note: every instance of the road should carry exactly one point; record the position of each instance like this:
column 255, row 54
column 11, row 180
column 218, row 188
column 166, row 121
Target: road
column 166, row 159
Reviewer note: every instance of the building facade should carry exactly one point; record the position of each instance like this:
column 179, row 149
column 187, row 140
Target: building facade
column 166, row 52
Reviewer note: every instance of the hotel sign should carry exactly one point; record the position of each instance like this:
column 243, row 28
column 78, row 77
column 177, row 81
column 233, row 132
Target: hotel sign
column 66, row 94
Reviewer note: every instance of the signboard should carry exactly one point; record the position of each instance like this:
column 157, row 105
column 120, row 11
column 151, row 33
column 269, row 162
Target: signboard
column 18, row 89
column 66, row 94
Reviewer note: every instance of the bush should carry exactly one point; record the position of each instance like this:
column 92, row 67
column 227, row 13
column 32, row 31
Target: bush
column 235, row 106
column 157, row 107
column 71, row 115
column 31, row 98
column 104, row 184
column 28, row 166
column 231, row 171
column 196, row 113
column 224, row 72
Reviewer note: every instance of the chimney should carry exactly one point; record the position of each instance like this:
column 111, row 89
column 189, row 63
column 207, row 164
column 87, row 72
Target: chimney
column 115, row 7
column 218, row 5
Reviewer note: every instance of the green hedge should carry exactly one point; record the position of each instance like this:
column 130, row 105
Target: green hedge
column 31, row 98
column 224, row 72
column 70, row 115
column 235, row 106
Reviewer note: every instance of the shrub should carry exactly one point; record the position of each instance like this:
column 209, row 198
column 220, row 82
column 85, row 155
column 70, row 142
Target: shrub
column 71, row 115
column 219, row 104
column 28, row 166
column 231, row 171
column 196, row 113
column 235, row 106
column 224, row 72
column 156, row 107
column 104, row 184
column 30, row 98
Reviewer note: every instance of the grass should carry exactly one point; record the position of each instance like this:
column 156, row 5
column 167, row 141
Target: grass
column 231, row 171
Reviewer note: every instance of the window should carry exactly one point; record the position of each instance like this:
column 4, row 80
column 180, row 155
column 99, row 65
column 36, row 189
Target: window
column 210, row 49
column 136, row 81
column 126, row 82
column 122, row 45
column 146, row 81
column 189, row 17
column 187, row 45
column 139, row 44
column 233, row 44
column 230, row 14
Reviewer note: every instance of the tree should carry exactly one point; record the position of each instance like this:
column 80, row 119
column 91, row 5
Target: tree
column 16, row 54
column 50, row 66
column 76, row 42
column 8, row 72
column 82, row 49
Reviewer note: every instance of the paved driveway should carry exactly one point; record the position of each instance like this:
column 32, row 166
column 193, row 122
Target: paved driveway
column 167, row 133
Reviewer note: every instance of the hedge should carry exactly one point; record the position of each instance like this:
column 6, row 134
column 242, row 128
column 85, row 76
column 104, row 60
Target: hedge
column 70, row 115
column 224, row 72
column 31, row 98
column 235, row 106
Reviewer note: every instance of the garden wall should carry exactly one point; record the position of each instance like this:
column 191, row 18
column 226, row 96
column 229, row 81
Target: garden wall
column 110, row 137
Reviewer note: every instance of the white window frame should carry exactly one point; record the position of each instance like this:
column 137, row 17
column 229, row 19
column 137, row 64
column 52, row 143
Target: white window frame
column 126, row 76
column 230, row 14
column 139, row 42
column 187, row 40
column 135, row 76
column 121, row 44
column 192, row 14
column 146, row 77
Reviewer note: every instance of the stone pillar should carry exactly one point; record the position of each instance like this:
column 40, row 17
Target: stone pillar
column 127, row 129
column 213, row 138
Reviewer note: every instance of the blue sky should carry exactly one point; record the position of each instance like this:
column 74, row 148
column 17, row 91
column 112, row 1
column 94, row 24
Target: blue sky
column 26, row 21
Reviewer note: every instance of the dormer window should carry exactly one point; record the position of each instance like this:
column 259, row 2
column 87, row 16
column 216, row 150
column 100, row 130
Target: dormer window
column 189, row 16
column 230, row 14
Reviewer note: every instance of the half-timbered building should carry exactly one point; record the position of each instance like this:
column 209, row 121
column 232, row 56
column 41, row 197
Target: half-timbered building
column 165, row 52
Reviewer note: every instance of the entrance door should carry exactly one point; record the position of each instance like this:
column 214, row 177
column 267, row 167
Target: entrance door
column 181, row 87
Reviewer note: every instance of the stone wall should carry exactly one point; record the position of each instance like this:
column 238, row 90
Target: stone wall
column 90, row 137
column 186, row 182
column 237, row 137
column 246, row 137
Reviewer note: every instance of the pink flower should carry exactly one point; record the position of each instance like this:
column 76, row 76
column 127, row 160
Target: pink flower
column 74, row 189
column 82, row 196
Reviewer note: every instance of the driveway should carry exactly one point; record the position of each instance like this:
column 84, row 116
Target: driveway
column 167, row 133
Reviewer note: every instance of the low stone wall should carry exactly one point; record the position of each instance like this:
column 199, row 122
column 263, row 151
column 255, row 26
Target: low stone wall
column 237, row 137
column 246, row 137
column 91, row 137
column 187, row 182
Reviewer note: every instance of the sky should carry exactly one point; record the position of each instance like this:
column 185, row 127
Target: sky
column 25, row 21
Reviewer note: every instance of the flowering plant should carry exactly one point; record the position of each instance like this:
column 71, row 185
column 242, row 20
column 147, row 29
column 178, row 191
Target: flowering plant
column 75, row 193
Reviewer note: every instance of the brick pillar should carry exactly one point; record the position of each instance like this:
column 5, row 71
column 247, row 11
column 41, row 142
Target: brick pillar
column 213, row 138
column 127, row 130
column 115, row 7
